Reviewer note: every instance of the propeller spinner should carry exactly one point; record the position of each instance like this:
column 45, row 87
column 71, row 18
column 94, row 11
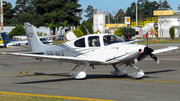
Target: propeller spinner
column 147, row 51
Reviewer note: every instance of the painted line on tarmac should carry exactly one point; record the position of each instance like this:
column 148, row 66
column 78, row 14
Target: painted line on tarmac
column 165, row 59
column 37, row 68
column 142, row 80
column 54, row 96
column 25, row 71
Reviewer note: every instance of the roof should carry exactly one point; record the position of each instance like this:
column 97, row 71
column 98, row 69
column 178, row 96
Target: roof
column 166, row 12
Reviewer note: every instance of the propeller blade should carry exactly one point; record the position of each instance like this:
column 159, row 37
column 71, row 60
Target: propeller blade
column 142, row 56
column 147, row 51
column 155, row 58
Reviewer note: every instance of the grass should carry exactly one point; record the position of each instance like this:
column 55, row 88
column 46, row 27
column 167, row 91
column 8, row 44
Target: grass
column 160, row 41
column 57, row 42
column 10, row 97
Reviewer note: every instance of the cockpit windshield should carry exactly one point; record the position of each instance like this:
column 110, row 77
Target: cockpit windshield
column 109, row 39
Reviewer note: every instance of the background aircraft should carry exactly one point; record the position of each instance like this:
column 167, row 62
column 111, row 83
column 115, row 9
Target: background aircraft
column 44, row 39
column 91, row 50
column 22, row 40
column 1, row 41
column 7, row 41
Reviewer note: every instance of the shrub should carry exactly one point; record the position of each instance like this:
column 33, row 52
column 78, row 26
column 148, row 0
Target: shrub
column 88, row 26
column 78, row 32
column 118, row 32
column 97, row 32
column 172, row 33
column 129, row 30
column 17, row 31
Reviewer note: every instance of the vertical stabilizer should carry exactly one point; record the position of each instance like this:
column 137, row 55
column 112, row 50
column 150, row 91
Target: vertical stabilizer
column 34, row 43
column 70, row 35
column 6, row 38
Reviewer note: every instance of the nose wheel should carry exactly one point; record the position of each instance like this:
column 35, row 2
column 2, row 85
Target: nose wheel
column 137, row 74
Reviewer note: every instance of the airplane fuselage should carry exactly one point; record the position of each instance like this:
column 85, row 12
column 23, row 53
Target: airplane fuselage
column 17, row 43
column 117, row 52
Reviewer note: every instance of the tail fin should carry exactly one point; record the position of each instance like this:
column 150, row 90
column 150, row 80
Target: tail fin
column 70, row 35
column 34, row 44
column 6, row 38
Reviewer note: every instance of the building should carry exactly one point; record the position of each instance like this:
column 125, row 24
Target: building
column 166, row 20
column 99, row 21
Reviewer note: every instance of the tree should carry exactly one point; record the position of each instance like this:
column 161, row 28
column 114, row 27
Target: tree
column 110, row 18
column 89, row 10
column 172, row 32
column 128, row 32
column 88, row 26
column 120, row 14
column 25, row 11
column 18, row 30
column 51, row 25
column 131, row 11
column 145, row 8
column 179, row 7
column 164, row 5
column 57, row 11
column 8, row 13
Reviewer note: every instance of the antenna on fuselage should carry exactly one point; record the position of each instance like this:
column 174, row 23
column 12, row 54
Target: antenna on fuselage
column 86, row 29
column 147, row 39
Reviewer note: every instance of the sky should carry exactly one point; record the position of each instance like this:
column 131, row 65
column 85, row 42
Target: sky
column 111, row 5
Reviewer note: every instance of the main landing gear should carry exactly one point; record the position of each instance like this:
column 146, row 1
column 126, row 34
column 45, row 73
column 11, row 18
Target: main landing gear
column 120, row 72
column 81, row 74
column 117, row 72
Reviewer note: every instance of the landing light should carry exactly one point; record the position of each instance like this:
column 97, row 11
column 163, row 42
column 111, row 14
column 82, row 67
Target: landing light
column 140, row 50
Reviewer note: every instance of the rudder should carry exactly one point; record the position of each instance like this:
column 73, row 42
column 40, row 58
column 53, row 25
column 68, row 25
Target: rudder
column 6, row 38
column 34, row 43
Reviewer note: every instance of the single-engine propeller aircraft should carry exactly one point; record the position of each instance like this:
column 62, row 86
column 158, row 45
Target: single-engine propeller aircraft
column 90, row 50
column 7, row 41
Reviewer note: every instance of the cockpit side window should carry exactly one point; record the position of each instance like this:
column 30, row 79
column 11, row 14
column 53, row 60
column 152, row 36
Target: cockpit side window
column 80, row 43
column 109, row 39
column 93, row 41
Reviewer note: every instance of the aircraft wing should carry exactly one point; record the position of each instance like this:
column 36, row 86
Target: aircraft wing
column 47, row 36
column 59, row 58
column 140, row 40
column 164, row 49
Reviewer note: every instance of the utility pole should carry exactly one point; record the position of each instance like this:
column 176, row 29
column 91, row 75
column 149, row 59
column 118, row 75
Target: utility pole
column 1, row 15
column 136, row 14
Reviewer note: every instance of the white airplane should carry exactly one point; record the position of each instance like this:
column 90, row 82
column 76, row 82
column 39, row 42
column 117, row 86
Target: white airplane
column 90, row 50
column 44, row 39
column 8, row 42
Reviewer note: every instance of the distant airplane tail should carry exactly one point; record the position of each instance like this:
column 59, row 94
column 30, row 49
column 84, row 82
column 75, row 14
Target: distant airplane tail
column 6, row 38
column 34, row 44
column 70, row 35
